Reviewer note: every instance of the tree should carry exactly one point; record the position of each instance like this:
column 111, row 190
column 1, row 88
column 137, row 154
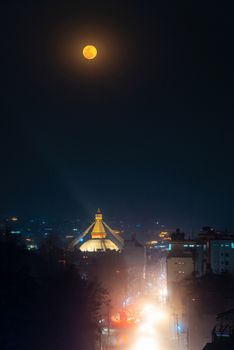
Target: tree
column 44, row 308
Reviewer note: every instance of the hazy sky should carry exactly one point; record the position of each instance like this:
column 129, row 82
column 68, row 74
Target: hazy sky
column 145, row 131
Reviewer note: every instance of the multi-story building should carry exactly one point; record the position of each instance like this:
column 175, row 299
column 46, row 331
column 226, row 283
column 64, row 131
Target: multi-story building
column 212, row 251
column 179, row 267
column 222, row 256
column 223, row 332
column 218, row 251
column 133, row 255
column 180, row 259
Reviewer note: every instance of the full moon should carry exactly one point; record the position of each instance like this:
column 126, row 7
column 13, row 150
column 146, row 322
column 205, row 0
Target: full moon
column 89, row 52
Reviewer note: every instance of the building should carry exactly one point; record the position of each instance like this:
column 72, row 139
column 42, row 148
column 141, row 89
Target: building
column 223, row 332
column 133, row 255
column 180, row 259
column 179, row 267
column 180, row 264
column 98, row 237
column 222, row 256
column 218, row 251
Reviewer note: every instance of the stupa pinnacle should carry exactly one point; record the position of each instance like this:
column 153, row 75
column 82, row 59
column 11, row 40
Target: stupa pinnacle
column 100, row 237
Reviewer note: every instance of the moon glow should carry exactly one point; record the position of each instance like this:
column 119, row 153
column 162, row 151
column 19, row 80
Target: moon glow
column 89, row 52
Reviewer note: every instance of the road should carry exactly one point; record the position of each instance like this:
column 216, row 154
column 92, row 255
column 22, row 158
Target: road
column 147, row 322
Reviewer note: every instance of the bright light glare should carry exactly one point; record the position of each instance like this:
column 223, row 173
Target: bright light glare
column 163, row 292
column 145, row 343
column 151, row 314
column 147, row 329
column 161, row 315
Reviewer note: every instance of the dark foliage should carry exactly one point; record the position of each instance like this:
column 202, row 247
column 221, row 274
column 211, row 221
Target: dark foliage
column 202, row 299
column 209, row 294
column 43, row 304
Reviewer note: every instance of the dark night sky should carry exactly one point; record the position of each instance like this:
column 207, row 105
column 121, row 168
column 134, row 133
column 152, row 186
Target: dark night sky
column 144, row 132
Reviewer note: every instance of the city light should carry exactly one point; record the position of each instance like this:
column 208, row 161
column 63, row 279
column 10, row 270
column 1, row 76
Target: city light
column 163, row 294
column 147, row 328
column 146, row 336
column 145, row 343
column 152, row 314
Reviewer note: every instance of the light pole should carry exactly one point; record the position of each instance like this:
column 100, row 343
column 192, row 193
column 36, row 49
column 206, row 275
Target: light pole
column 108, row 323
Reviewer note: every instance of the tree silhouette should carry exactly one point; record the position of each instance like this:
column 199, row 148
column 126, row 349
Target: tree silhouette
column 43, row 307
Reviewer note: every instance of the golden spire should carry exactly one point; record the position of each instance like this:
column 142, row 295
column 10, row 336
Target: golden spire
column 98, row 215
column 98, row 229
column 102, row 237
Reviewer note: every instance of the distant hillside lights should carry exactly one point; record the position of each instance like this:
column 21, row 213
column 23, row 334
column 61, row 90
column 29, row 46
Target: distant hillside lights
column 164, row 236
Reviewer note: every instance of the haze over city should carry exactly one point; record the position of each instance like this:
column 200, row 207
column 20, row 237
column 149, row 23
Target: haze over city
column 116, row 195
